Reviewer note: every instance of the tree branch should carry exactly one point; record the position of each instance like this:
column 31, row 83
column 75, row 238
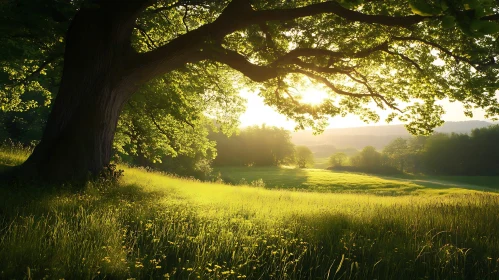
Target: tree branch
column 37, row 71
column 268, row 37
column 238, row 62
column 435, row 45
column 490, row 17
column 185, row 17
column 239, row 14
column 475, row 64
column 374, row 95
column 179, row 4
column 334, row 7
column 160, row 129
column 328, row 70
column 42, row 66
column 149, row 42
column 414, row 63
column 262, row 73
column 330, row 85
column 331, row 54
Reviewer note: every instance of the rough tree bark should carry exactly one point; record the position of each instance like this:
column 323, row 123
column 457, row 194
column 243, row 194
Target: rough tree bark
column 78, row 137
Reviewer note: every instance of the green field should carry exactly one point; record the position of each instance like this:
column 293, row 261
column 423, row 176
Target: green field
column 321, row 180
column 152, row 226
column 321, row 163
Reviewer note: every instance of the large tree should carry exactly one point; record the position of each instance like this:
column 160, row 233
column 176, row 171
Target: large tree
column 402, row 56
column 304, row 157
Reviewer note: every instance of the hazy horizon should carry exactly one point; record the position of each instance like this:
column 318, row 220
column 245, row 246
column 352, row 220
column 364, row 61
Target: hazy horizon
column 257, row 113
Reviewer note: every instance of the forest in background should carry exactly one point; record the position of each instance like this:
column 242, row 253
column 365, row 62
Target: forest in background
column 352, row 139
column 453, row 153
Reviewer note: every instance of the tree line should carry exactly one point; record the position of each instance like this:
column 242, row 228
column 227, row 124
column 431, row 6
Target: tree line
column 186, row 148
column 455, row 154
column 260, row 146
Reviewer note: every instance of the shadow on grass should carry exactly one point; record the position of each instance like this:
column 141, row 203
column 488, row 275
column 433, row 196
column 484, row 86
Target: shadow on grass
column 37, row 199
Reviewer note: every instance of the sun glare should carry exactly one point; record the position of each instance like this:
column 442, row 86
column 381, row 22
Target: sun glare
column 257, row 113
column 313, row 96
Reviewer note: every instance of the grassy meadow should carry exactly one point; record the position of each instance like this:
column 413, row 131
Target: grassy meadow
column 12, row 154
column 321, row 163
column 321, row 180
column 344, row 226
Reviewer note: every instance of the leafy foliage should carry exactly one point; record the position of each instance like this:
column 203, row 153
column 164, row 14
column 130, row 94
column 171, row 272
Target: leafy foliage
column 32, row 44
column 397, row 153
column 446, row 154
column 25, row 127
column 171, row 116
column 338, row 159
column 360, row 58
column 255, row 145
column 368, row 158
column 461, row 154
column 304, row 157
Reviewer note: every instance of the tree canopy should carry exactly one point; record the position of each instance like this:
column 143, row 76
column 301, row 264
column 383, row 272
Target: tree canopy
column 401, row 56
column 162, row 122
column 304, row 157
column 338, row 159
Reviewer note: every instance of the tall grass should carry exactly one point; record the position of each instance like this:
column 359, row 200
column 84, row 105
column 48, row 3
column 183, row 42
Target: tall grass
column 156, row 227
column 12, row 153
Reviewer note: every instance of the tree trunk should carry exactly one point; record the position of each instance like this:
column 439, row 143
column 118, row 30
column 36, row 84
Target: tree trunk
column 77, row 140
column 101, row 71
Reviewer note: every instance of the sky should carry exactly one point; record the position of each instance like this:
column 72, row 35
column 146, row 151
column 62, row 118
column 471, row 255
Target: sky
column 258, row 113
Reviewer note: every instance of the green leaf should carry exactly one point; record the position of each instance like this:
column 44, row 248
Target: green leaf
column 489, row 27
column 349, row 4
column 471, row 4
column 475, row 25
column 444, row 6
column 420, row 7
column 484, row 27
column 448, row 22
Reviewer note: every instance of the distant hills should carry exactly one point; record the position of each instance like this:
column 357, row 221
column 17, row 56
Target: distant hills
column 355, row 138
